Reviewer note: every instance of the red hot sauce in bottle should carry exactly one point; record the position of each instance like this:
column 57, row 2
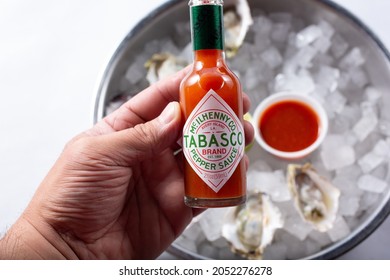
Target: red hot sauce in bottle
column 211, row 99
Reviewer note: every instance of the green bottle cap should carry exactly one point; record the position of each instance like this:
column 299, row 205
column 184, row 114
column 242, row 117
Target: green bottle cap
column 207, row 27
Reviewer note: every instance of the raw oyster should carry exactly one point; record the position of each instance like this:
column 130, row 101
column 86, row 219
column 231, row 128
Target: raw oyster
column 237, row 20
column 161, row 65
column 249, row 228
column 316, row 199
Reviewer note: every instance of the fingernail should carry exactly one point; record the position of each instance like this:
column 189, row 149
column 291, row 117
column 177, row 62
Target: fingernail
column 168, row 114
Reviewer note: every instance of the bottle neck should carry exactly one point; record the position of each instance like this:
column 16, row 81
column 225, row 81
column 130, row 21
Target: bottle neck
column 209, row 58
column 207, row 25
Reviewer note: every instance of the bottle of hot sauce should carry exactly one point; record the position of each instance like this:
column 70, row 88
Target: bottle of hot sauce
column 211, row 100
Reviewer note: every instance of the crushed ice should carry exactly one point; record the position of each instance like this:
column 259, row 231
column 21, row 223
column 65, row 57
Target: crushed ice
column 280, row 53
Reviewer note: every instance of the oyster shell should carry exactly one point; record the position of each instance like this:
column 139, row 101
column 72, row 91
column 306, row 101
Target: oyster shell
column 237, row 20
column 315, row 198
column 162, row 65
column 249, row 228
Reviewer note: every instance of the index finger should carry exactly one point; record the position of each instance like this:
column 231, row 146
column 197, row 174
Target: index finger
column 147, row 104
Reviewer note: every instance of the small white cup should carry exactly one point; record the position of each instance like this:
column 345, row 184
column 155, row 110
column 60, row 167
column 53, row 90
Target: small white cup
column 291, row 96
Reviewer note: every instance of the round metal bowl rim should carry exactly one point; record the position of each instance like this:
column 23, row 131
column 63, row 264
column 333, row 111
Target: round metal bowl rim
column 336, row 249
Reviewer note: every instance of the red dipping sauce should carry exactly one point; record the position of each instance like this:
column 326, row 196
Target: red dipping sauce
column 289, row 126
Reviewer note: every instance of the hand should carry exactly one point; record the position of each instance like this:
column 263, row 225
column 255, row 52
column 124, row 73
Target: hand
column 116, row 191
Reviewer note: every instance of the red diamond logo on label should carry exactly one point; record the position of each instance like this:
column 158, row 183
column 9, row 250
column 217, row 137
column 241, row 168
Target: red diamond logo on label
column 213, row 140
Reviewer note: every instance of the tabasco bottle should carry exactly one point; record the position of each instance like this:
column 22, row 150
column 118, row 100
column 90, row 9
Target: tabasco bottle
column 211, row 100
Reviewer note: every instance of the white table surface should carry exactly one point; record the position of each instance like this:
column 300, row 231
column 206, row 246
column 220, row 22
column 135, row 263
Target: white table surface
column 52, row 54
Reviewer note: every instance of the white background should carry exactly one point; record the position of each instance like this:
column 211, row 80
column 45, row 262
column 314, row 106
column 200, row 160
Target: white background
column 52, row 54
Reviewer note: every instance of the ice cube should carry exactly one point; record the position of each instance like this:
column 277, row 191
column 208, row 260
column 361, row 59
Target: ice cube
column 320, row 93
column 327, row 77
column 226, row 254
column 312, row 247
column 382, row 148
column 256, row 74
column 327, row 28
column 369, row 199
column 259, row 165
column 124, row 84
column 346, row 183
column 353, row 221
column 287, row 208
column 262, row 27
column 339, row 46
column 275, row 251
column 297, row 227
column 261, row 43
column 329, row 111
column 371, row 183
column 322, row 59
column 350, row 139
column 220, row 243
column 241, row 62
column 372, row 94
column 187, row 53
column 290, row 49
column 302, row 83
column 359, row 77
column 320, row 167
column 336, row 153
column 336, row 101
column 168, row 46
column 307, row 36
column 384, row 127
column 193, row 231
column 348, row 205
column 381, row 171
column 211, row 223
column 272, row 57
column 273, row 183
column 374, row 158
column 208, row 250
column 339, row 125
column 350, row 172
column 322, row 44
column 135, row 72
column 352, row 112
column 353, row 59
column 370, row 161
column 339, row 230
column 321, row 238
column 251, row 78
column 333, row 141
column 186, row 243
column 344, row 82
column 305, row 56
column 279, row 32
column 364, row 147
column 365, row 125
column 295, row 248
column 300, row 59
column 280, row 191
column 342, row 156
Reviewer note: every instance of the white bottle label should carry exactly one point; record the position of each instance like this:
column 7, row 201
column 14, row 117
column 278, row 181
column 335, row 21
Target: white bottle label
column 213, row 140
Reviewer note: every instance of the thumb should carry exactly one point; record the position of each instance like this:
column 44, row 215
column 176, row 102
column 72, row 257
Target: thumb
column 144, row 140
